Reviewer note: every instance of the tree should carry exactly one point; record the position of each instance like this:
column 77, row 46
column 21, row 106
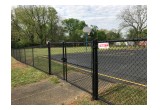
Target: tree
column 37, row 23
column 19, row 31
column 54, row 30
column 74, row 27
column 134, row 17
column 101, row 35
column 131, row 34
column 113, row 35
column 46, row 22
column 94, row 31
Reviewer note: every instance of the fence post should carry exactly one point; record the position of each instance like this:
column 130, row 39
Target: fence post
column 15, row 54
column 63, row 59
column 65, row 62
column 33, row 56
column 49, row 57
column 11, row 52
column 95, row 70
column 25, row 55
column 19, row 54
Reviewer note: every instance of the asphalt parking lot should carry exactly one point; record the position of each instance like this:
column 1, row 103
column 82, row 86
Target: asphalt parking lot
column 125, row 64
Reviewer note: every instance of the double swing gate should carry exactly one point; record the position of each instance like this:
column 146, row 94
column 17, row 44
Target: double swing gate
column 117, row 75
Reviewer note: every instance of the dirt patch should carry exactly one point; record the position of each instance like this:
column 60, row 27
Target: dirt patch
column 83, row 99
column 78, row 99
column 18, row 64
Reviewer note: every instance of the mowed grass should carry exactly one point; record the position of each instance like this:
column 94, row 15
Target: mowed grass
column 22, row 74
column 56, row 67
column 81, row 49
column 58, row 50
column 122, row 94
column 117, row 94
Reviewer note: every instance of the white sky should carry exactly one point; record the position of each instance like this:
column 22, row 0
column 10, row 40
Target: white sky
column 105, row 17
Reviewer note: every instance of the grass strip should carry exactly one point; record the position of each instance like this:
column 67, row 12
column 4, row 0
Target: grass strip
column 122, row 94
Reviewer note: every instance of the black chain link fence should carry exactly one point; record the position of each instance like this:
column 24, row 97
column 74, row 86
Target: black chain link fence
column 57, row 67
column 121, row 73
column 79, row 58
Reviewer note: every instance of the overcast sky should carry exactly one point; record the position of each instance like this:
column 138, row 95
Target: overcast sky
column 105, row 17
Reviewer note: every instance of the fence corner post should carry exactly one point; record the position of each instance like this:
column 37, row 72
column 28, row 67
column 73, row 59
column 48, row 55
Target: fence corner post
column 95, row 70
column 49, row 57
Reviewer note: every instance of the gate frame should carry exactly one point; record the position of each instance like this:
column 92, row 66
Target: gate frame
column 94, row 65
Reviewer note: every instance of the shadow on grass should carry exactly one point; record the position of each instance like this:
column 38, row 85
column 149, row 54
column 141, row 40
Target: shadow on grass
column 122, row 94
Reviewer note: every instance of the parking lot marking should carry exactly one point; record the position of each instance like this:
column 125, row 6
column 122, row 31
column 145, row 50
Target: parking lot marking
column 122, row 80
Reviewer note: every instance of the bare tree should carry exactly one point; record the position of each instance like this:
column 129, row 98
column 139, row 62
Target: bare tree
column 134, row 17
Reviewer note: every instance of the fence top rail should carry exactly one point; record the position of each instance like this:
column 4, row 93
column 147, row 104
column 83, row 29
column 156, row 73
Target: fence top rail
column 55, row 43
column 133, row 40
column 78, row 42
column 70, row 42
column 126, row 40
column 52, row 43
column 39, row 46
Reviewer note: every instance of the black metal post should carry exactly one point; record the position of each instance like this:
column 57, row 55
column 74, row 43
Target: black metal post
column 63, row 58
column 49, row 57
column 15, row 54
column 33, row 56
column 19, row 54
column 24, row 55
column 95, row 70
column 65, row 62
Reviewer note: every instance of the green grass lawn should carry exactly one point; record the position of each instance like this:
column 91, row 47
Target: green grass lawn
column 81, row 49
column 122, row 94
column 22, row 74
column 58, row 50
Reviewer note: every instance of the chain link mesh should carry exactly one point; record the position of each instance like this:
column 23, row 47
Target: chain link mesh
column 123, row 73
column 122, row 68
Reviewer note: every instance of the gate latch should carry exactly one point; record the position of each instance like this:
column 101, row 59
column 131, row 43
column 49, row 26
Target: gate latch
column 64, row 59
